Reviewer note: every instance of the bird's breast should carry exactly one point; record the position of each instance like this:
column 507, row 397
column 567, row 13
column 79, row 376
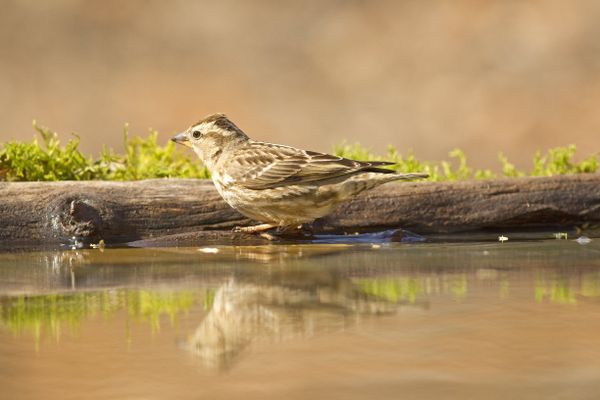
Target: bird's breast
column 221, row 179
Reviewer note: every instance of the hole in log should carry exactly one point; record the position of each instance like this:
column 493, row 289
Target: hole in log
column 76, row 217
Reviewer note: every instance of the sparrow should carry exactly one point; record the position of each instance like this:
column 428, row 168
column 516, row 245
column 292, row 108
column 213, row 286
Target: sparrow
column 280, row 186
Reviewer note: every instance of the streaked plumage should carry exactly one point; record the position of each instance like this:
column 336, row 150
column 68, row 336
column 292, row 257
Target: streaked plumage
column 276, row 184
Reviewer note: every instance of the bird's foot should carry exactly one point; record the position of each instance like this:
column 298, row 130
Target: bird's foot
column 268, row 236
column 284, row 231
column 302, row 230
column 254, row 228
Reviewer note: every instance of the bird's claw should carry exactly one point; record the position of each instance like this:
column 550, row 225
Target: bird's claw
column 267, row 236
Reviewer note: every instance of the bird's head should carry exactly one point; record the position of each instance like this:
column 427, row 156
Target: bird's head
column 210, row 136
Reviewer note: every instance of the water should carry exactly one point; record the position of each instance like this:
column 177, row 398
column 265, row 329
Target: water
column 414, row 321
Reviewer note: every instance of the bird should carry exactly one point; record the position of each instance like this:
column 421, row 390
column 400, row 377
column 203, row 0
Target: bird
column 279, row 186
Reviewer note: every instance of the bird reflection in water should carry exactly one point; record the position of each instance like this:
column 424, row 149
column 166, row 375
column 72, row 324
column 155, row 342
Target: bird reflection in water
column 246, row 314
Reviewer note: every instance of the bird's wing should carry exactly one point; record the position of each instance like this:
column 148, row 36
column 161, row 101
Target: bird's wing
column 265, row 165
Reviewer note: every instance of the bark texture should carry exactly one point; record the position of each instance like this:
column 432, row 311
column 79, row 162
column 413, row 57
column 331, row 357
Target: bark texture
column 119, row 212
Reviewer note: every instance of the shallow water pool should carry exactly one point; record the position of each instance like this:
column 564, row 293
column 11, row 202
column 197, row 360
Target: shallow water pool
column 401, row 320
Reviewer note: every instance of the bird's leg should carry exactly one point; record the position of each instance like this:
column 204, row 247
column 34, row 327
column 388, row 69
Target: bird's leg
column 254, row 228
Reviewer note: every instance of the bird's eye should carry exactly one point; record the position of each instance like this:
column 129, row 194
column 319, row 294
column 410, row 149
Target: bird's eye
column 196, row 134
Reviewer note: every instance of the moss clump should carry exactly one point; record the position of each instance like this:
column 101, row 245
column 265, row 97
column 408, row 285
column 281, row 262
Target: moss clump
column 557, row 161
column 455, row 169
column 144, row 158
column 47, row 160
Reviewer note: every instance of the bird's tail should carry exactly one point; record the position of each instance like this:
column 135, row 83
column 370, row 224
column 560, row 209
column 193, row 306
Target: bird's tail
column 376, row 166
column 409, row 176
column 377, row 179
column 369, row 180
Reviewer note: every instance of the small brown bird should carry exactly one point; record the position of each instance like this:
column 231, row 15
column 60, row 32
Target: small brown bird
column 278, row 185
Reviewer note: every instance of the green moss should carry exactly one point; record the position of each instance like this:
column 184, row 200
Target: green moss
column 508, row 169
column 144, row 158
column 44, row 162
column 557, row 161
column 47, row 160
column 454, row 169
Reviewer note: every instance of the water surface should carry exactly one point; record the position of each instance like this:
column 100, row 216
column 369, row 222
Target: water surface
column 415, row 321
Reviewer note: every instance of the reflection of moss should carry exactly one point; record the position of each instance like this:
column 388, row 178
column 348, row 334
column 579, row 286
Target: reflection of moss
column 52, row 312
column 150, row 306
column 458, row 286
column 409, row 288
column 548, row 287
column 394, row 289
column 562, row 293
column 34, row 314
column 504, row 287
column 560, row 289
column 209, row 298
column 555, row 290
column 590, row 286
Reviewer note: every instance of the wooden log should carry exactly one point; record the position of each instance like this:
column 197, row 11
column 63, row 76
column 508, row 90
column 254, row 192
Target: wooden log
column 518, row 203
column 116, row 212
column 119, row 212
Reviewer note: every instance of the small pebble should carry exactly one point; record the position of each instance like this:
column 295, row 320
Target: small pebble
column 375, row 246
column 502, row 238
column 101, row 245
column 209, row 250
column 583, row 240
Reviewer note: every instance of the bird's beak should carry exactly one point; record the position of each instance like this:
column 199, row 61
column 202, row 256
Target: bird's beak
column 182, row 138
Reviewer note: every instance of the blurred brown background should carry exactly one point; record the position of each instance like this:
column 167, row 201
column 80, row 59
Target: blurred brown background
column 485, row 76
